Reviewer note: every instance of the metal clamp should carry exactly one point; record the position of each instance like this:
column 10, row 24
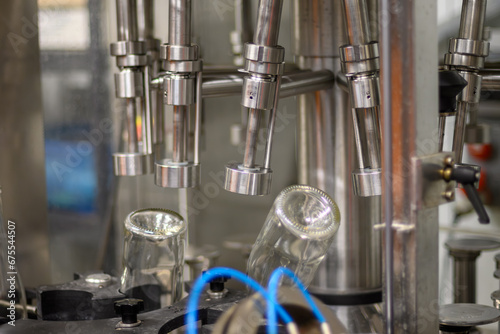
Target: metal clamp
column 125, row 48
column 359, row 59
column 178, row 52
column 467, row 53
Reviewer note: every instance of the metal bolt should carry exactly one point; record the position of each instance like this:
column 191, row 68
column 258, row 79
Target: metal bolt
column 449, row 195
column 449, row 161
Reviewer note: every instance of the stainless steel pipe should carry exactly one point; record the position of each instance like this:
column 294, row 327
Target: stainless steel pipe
column 472, row 20
column 126, row 11
column 252, row 136
column 180, row 133
column 292, row 84
column 410, row 103
column 352, row 267
column 368, row 132
column 491, row 82
column 179, row 22
column 145, row 19
column 356, row 21
column 268, row 22
column 242, row 21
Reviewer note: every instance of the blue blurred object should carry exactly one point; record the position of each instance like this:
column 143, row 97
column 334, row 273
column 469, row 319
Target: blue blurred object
column 70, row 168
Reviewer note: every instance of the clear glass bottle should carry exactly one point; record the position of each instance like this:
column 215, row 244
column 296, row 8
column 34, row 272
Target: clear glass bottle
column 153, row 257
column 297, row 233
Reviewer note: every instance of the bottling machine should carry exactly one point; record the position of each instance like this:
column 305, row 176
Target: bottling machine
column 377, row 122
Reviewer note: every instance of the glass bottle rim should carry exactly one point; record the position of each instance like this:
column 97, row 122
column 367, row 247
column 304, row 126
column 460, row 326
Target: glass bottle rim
column 159, row 231
column 306, row 230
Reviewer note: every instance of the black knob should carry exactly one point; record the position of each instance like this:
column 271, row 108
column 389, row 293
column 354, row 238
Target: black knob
column 128, row 309
column 467, row 176
column 217, row 284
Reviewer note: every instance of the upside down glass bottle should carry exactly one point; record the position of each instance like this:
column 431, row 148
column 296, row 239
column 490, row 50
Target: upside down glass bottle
column 297, row 233
column 153, row 257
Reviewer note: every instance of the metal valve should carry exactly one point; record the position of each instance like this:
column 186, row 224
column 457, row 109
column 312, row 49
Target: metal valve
column 467, row 176
column 132, row 87
column 264, row 63
column 360, row 64
column 182, row 88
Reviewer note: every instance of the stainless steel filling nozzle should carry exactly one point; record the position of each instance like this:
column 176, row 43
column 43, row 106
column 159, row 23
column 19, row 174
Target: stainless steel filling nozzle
column 132, row 85
column 264, row 63
column 182, row 89
column 466, row 55
column 360, row 65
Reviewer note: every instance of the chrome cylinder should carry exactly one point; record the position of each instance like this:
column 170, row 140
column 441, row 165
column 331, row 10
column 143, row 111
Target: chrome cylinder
column 367, row 134
column 409, row 90
column 180, row 134
column 268, row 22
column 464, row 276
column 472, row 20
column 253, row 126
column 126, row 17
column 145, row 19
column 352, row 267
column 132, row 139
column 357, row 23
column 180, row 22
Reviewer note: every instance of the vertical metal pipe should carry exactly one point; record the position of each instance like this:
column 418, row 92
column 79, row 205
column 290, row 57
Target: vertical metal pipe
column 180, row 22
column 373, row 10
column 179, row 134
column 268, row 22
column 410, row 106
column 387, row 190
column 472, row 20
column 148, row 117
column 253, row 127
column 145, row 19
column 442, row 129
column 327, row 157
column 367, row 134
column 464, row 276
column 131, row 114
column 242, row 20
column 460, row 124
column 357, row 23
column 197, row 124
column 271, row 125
column 126, row 20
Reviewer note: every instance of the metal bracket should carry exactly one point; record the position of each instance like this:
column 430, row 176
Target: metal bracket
column 432, row 189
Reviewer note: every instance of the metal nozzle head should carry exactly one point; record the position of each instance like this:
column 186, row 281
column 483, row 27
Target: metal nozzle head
column 169, row 174
column 367, row 182
column 132, row 164
column 254, row 181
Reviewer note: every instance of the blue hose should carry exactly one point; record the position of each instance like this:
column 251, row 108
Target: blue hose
column 272, row 287
column 192, row 307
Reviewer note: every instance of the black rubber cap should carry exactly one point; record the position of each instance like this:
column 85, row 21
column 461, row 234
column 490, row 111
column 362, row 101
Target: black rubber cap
column 450, row 85
column 128, row 309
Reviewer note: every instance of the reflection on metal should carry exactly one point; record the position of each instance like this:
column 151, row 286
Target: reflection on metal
column 326, row 158
column 22, row 162
column 408, row 49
